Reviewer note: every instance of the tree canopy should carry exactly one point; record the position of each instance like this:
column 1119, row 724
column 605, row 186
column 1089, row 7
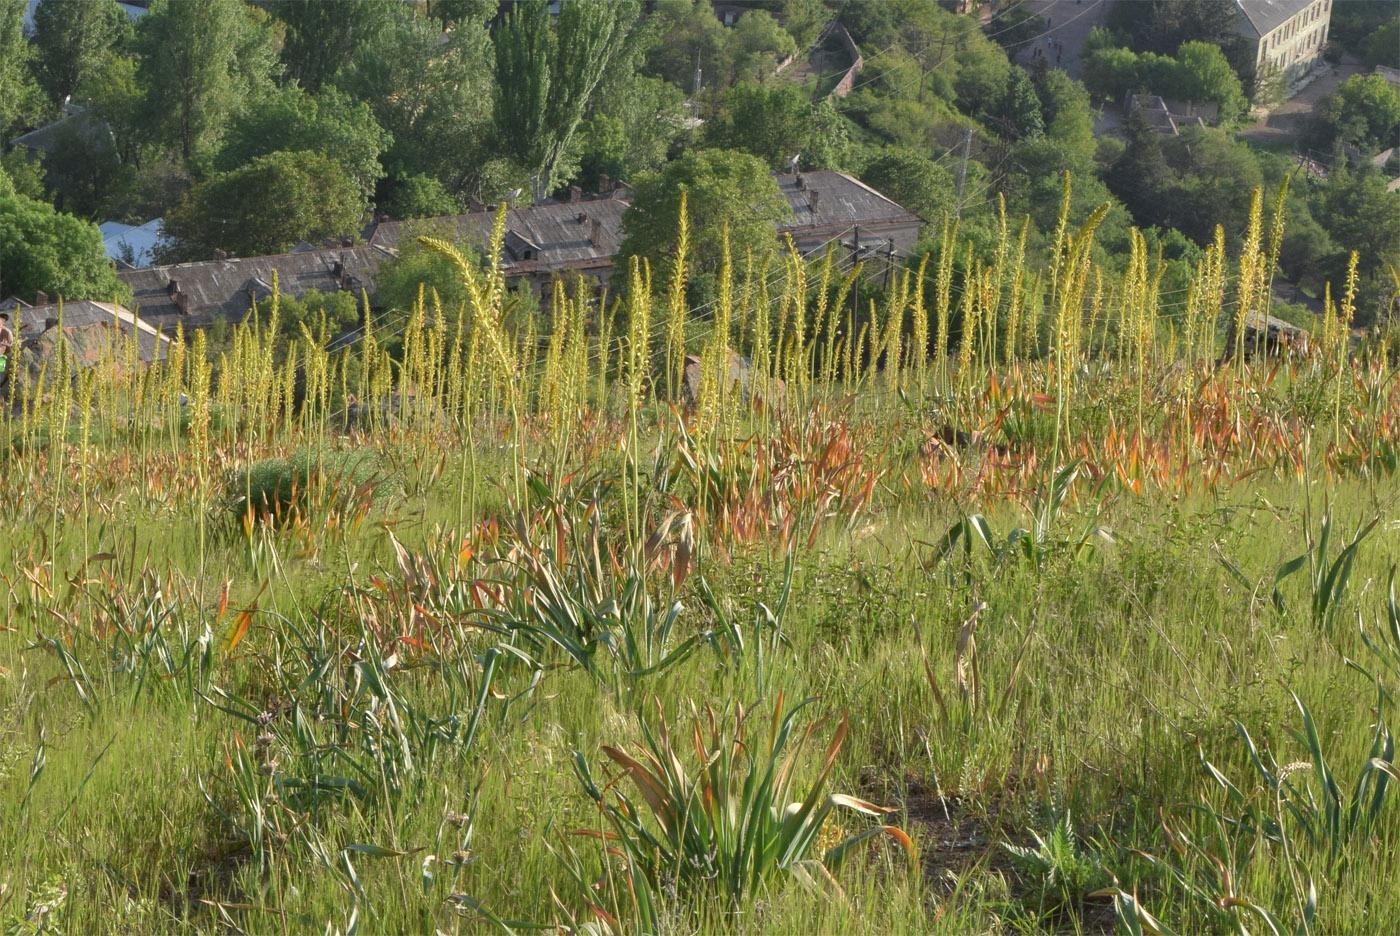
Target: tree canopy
column 73, row 39
column 268, row 206
column 201, row 60
column 1364, row 111
column 545, row 77
column 723, row 188
column 46, row 250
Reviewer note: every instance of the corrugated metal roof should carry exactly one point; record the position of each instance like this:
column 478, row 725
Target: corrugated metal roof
column 840, row 201
column 141, row 240
column 225, row 289
column 33, row 322
column 542, row 238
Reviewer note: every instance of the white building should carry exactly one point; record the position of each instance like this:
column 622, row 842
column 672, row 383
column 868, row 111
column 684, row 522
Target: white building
column 1287, row 36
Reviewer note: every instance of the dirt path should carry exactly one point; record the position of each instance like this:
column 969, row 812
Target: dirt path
column 1286, row 123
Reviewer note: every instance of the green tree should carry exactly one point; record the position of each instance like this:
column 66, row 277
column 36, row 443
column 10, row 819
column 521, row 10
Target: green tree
column 321, row 37
column 635, row 121
column 268, row 206
column 398, row 279
column 417, row 196
column 1162, row 26
column 1139, row 176
column 73, row 39
column 453, row 12
column 772, row 122
column 292, row 121
column 753, row 48
column 1204, row 74
column 1021, row 107
column 1355, row 22
column 432, row 94
column 200, row 61
column 1384, row 46
column 1211, row 182
column 20, row 99
column 545, row 78
column 115, row 96
column 981, row 81
column 1364, row 111
column 913, row 180
column 1359, row 214
column 1068, row 114
column 1014, row 27
column 722, row 187
column 1111, row 72
column 689, row 36
column 83, row 170
column 43, row 249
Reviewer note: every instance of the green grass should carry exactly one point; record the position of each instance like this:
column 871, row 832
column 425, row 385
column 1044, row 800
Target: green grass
column 1094, row 685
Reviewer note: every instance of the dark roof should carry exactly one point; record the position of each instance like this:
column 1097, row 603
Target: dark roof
column 841, row 202
column 198, row 293
column 540, row 239
column 1264, row 16
column 81, row 125
column 33, row 322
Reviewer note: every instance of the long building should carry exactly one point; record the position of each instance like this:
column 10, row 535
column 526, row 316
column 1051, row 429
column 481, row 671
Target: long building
column 1287, row 36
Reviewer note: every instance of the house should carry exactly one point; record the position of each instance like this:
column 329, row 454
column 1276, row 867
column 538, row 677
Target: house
column 198, row 294
column 1286, row 37
column 81, row 318
column 132, row 246
column 542, row 241
column 76, row 124
column 832, row 207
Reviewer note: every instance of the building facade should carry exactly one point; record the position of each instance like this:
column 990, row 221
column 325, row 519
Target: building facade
column 1287, row 36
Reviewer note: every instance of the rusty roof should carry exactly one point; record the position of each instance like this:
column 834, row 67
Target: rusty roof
column 34, row 321
column 199, row 293
column 842, row 201
column 548, row 238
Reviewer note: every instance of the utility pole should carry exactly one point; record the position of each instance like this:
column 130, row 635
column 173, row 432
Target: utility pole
column 962, row 171
column 695, row 89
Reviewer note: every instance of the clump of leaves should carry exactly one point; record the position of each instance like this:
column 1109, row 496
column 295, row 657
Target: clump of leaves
column 736, row 821
column 1059, row 872
column 325, row 484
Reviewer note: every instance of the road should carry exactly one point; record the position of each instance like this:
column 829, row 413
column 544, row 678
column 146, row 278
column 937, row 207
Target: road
column 1069, row 25
column 1286, row 123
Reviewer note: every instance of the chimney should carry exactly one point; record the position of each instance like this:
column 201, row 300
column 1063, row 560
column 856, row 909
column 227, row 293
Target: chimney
column 801, row 182
column 581, row 217
column 575, row 193
column 812, row 200
column 595, row 232
column 219, row 254
column 604, row 184
column 338, row 271
column 41, row 297
column 172, row 288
